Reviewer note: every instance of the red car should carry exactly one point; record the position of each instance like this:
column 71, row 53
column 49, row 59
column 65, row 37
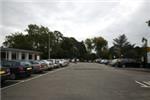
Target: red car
column 18, row 68
column 37, row 66
column 4, row 73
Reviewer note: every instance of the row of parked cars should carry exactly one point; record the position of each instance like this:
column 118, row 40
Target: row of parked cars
column 22, row 68
column 123, row 62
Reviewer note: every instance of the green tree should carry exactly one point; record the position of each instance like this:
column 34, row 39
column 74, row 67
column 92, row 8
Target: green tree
column 17, row 40
column 100, row 45
column 58, row 36
column 122, row 48
column 148, row 23
column 40, row 38
column 89, row 45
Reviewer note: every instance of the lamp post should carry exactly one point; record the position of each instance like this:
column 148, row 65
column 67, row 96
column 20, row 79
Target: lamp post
column 145, row 50
column 48, row 46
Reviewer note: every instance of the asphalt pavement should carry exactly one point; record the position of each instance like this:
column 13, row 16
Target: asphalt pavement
column 82, row 81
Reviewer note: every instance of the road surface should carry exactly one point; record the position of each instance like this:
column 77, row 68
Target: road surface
column 82, row 81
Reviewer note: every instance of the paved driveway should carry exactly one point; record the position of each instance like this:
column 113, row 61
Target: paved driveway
column 83, row 81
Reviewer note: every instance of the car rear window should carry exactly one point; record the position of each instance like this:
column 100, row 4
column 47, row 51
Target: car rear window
column 7, row 64
column 0, row 65
column 35, row 62
column 25, row 63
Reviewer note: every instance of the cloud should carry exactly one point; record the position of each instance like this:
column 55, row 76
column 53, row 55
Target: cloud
column 80, row 19
column 133, row 25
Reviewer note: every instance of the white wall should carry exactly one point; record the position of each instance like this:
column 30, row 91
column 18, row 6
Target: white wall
column 148, row 57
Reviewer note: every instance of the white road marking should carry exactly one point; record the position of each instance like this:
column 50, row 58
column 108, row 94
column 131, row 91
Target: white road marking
column 34, row 78
column 148, row 83
column 142, row 84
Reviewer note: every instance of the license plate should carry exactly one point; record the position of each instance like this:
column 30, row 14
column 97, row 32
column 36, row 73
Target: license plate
column 29, row 68
column 2, row 72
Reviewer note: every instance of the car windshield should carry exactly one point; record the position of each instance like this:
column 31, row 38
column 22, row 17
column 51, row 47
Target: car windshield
column 35, row 62
column 0, row 65
column 25, row 63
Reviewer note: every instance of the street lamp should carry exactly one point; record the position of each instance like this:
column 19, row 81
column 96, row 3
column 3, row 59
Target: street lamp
column 48, row 46
column 145, row 49
column 148, row 22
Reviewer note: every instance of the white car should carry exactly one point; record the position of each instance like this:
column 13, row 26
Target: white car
column 63, row 62
column 47, row 63
column 54, row 62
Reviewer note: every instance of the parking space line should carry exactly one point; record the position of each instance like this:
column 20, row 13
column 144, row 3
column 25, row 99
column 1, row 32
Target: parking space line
column 34, row 78
column 142, row 84
column 148, row 83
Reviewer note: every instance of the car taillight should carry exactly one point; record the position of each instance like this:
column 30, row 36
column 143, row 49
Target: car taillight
column 43, row 65
column 39, row 66
column 8, row 70
column 21, row 69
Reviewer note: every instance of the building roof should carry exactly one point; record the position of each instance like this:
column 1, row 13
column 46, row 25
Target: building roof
column 18, row 50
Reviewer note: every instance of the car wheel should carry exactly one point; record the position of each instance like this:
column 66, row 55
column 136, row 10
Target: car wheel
column 28, row 75
column 2, row 81
column 13, row 76
column 123, row 66
column 116, row 65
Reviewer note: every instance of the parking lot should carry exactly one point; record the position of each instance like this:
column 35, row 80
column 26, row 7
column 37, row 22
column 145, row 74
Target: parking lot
column 9, row 83
column 81, row 81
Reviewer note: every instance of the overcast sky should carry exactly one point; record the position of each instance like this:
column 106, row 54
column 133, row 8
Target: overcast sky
column 78, row 18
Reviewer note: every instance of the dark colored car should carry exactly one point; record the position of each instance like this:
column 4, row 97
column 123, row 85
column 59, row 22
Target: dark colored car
column 18, row 68
column 114, row 62
column 4, row 73
column 37, row 66
column 126, row 62
column 104, row 61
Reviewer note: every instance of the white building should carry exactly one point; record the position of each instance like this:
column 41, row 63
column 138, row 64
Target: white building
column 148, row 55
column 18, row 54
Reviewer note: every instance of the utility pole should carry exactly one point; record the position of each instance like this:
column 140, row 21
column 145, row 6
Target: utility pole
column 48, row 46
column 145, row 50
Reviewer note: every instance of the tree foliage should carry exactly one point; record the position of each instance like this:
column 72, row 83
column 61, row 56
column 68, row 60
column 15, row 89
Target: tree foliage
column 17, row 40
column 40, row 38
column 148, row 23
column 122, row 48
column 89, row 45
column 100, row 45
column 97, row 44
column 120, row 45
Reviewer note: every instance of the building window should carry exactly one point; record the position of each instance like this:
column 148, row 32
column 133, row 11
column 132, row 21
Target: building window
column 35, row 57
column 23, row 56
column 30, row 56
column 4, row 56
column 14, row 56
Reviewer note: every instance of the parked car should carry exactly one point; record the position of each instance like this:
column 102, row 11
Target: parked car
column 114, row 62
column 57, row 64
column 4, row 73
column 63, row 62
column 126, row 62
column 53, row 63
column 37, row 66
column 97, row 60
column 46, row 64
column 18, row 68
column 104, row 61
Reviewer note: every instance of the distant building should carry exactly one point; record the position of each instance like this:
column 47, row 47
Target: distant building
column 148, row 55
column 18, row 54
